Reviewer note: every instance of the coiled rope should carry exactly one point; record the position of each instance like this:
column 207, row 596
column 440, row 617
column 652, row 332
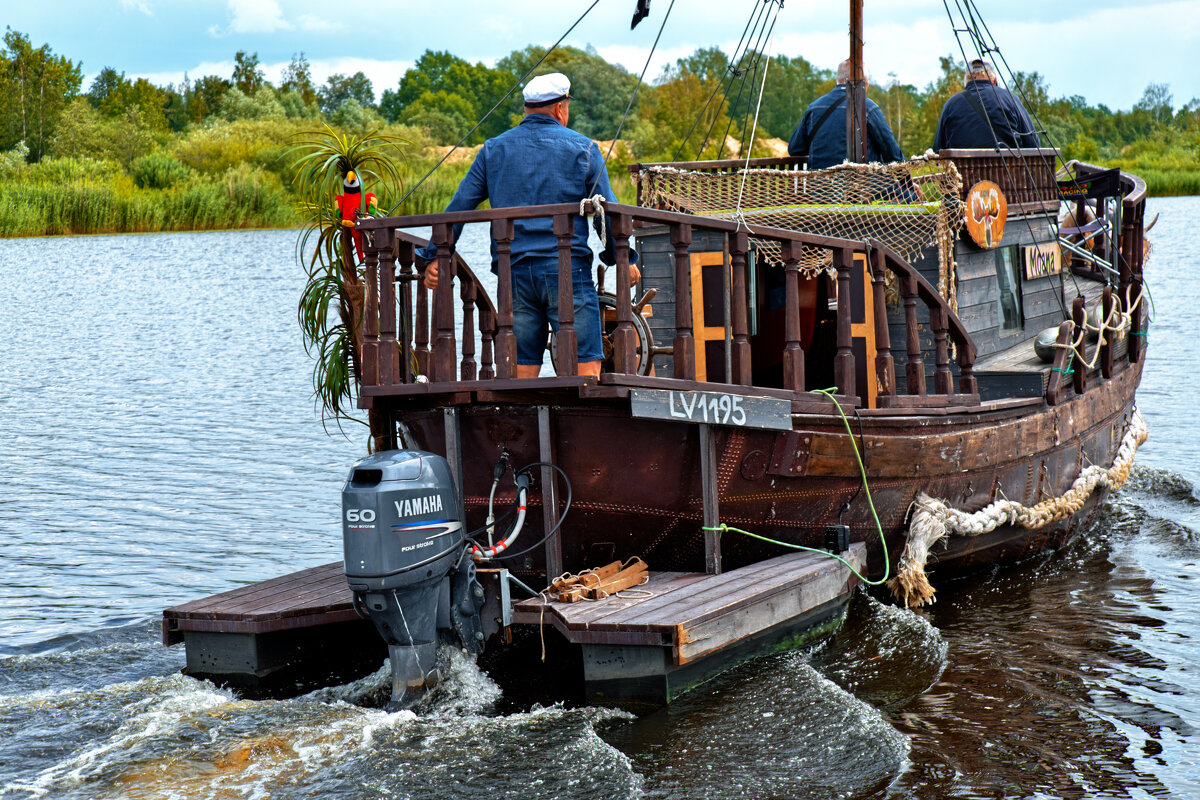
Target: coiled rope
column 933, row 520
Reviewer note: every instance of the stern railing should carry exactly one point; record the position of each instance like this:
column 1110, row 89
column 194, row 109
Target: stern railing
column 409, row 333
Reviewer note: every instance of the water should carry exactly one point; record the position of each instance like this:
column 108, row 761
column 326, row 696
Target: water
column 159, row 444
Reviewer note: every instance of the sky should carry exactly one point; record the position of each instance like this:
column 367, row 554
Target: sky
column 1065, row 42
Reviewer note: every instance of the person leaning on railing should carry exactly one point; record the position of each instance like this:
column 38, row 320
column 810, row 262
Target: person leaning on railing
column 541, row 162
column 983, row 115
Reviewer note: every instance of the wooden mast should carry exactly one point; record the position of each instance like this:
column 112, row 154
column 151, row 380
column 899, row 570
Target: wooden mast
column 856, row 90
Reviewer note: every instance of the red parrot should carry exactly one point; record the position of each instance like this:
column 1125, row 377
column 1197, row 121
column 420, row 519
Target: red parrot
column 350, row 203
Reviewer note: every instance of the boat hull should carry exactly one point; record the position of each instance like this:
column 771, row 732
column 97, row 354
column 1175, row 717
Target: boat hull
column 636, row 483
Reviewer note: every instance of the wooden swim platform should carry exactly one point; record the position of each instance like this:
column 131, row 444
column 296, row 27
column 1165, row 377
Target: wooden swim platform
column 652, row 643
column 642, row 646
column 279, row 636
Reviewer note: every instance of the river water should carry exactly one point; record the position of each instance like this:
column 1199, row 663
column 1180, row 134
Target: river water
column 158, row 443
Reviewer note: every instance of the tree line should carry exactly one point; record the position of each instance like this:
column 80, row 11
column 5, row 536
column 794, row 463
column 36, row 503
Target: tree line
column 136, row 135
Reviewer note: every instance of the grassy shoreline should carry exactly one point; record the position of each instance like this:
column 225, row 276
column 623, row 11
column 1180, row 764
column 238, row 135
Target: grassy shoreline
column 251, row 198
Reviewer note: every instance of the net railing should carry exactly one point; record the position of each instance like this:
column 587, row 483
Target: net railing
column 910, row 206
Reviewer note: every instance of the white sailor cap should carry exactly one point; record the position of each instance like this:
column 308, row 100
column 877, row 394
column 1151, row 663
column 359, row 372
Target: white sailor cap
column 546, row 89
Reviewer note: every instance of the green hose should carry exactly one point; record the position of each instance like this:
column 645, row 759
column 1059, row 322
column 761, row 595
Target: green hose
column 879, row 526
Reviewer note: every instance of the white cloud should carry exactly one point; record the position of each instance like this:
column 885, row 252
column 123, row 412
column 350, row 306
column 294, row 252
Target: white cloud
column 137, row 5
column 311, row 22
column 254, row 16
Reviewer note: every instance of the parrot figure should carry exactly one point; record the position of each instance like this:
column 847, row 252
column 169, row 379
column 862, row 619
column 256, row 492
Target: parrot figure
column 351, row 202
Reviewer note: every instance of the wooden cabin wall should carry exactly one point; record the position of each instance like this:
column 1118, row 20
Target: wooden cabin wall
column 1041, row 298
column 978, row 292
column 657, row 261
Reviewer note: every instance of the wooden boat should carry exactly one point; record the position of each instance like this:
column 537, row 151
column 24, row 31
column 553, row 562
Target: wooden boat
column 650, row 470
column 773, row 387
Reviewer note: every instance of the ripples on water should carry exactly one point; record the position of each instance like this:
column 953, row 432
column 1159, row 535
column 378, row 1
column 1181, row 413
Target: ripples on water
column 159, row 445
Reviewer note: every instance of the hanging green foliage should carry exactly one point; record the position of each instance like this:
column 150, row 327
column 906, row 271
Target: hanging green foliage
column 330, row 310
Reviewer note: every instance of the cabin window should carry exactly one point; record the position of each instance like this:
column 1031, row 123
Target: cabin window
column 1008, row 290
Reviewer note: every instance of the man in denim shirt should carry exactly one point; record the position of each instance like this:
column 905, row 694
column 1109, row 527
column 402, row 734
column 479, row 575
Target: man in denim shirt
column 541, row 162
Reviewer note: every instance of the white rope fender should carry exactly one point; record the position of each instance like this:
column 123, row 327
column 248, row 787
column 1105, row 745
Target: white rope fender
column 933, row 519
column 594, row 207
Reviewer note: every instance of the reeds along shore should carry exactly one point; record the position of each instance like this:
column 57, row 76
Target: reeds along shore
column 239, row 175
column 72, row 196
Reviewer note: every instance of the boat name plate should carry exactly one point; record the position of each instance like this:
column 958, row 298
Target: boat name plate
column 712, row 408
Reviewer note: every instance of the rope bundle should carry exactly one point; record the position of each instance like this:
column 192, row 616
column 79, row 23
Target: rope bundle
column 934, row 520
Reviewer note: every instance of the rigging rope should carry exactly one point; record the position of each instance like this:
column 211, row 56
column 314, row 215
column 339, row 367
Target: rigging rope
column 483, row 119
column 632, row 97
column 730, row 72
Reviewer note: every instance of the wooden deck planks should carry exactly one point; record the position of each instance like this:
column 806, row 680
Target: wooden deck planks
column 696, row 613
column 300, row 594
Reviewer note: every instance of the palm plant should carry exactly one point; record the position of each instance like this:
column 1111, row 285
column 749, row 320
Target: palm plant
column 322, row 159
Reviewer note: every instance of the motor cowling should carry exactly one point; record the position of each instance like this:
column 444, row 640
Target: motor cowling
column 406, row 563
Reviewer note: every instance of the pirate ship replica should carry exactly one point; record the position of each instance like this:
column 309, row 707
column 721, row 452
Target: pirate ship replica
column 838, row 360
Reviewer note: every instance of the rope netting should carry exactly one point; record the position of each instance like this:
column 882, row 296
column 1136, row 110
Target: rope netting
column 909, row 205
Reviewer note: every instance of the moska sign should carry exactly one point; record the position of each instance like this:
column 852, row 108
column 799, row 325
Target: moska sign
column 1041, row 260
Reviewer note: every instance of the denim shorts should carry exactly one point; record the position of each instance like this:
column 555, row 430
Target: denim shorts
column 535, row 303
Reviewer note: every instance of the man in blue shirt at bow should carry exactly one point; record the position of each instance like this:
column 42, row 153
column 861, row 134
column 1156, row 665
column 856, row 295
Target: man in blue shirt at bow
column 821, row 134
column 541, row 162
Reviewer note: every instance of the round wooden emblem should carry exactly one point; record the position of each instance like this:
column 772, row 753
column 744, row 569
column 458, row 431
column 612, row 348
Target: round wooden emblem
column 987, row 211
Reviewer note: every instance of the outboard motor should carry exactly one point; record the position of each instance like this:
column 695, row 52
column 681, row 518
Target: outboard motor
column 407, row 563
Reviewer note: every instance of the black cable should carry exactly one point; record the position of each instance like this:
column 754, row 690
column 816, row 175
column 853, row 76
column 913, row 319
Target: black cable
column 742, row 86
column 493, row 109
column 632, row 97
column 729, row 71
column 561, row 517
column 734, row 74
column 507, row 514
column 862, row 449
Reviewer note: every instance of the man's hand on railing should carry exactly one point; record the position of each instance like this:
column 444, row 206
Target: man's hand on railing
column 431, row 274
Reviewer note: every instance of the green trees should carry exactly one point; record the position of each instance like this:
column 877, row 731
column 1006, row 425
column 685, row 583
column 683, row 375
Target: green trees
column 35, row 87
column 600, row 90
column 340, row 88
column 445, row 83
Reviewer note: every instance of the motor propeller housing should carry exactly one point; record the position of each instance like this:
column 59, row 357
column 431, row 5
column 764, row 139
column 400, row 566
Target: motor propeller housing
column 406, row 563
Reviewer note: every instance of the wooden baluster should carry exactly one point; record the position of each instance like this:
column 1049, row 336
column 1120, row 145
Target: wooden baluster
column 487, row 338
column 1079, row 316
column 568, row 340
column 793, row 351
column 506, row 340
column 1106, row 335
column 1062, row 357
column 914, row 369
column 967, row 384
column 405, row 257
column 739, row 244
column 624, row 337
column 685, row 345
column 466, row 292
column 421, row 337
column 843, row 362
column 943, row 380
column 370, row 323
column 386, row 247
column 1135, row 338
column 885, row 366
column 444, row 346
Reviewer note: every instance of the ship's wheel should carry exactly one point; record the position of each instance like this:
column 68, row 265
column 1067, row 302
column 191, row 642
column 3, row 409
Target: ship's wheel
column 644, row 349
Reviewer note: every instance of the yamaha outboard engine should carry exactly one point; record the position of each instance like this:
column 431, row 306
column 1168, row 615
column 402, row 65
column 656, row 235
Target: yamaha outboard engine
column 407, row 563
